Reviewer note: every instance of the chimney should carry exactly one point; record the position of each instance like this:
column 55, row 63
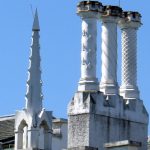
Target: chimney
column 89, row 13
column 108, row 84
column 129, row 25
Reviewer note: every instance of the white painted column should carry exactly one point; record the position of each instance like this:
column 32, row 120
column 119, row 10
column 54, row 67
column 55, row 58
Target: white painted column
column 33, row 138
column 108, row 84
column 88, row 11
column 25, row 137
column 129, row 25
column 18, row 140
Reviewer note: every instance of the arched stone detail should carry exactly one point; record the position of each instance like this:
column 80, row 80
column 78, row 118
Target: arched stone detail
column 21, row 135
column 22, row 124
column 44, row 135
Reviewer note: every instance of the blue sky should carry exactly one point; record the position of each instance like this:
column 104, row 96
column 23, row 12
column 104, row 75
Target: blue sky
column 60, row 51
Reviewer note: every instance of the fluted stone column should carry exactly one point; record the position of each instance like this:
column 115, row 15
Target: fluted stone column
column 88, row 11
column 109, row 20
column 129, row 25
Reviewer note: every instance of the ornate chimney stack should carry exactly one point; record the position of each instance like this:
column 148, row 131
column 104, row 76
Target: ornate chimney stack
column 96, row 118
column 129, row 25
column 110, row 17
column 88, row 11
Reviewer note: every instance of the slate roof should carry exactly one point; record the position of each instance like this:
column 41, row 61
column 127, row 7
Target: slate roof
column 7, row 127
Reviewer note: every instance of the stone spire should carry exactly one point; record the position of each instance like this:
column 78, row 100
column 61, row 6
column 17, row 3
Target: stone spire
column 34, row 83
column 33, row 125
column 36, row 26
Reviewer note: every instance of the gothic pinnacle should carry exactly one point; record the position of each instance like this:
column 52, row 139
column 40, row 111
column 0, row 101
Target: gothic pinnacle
column 34, row 83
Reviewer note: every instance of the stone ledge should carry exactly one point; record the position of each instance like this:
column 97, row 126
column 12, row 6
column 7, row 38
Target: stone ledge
column 31, row 149
column 83, row 148
column 122, row 143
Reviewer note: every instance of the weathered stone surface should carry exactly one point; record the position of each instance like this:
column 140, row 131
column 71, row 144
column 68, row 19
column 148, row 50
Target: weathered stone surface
column 78, row 133
column 96, row 119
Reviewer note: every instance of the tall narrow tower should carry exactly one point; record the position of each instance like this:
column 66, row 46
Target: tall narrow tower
column 33, row 125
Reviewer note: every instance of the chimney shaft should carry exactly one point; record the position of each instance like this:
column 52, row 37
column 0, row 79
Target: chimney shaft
column 129, row 25
column 88, row 11
column 109, row 20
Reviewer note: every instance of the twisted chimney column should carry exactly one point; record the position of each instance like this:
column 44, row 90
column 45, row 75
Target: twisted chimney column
column 89, row 12
column 129, row 25
column 109, row 20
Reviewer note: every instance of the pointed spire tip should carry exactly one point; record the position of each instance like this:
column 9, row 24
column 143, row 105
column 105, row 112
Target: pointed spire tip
column 36, row 26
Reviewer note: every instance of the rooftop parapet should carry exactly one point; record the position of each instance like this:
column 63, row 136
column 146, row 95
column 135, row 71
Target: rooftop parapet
column 112, row 11
column 86, row 6
column 132, row 16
